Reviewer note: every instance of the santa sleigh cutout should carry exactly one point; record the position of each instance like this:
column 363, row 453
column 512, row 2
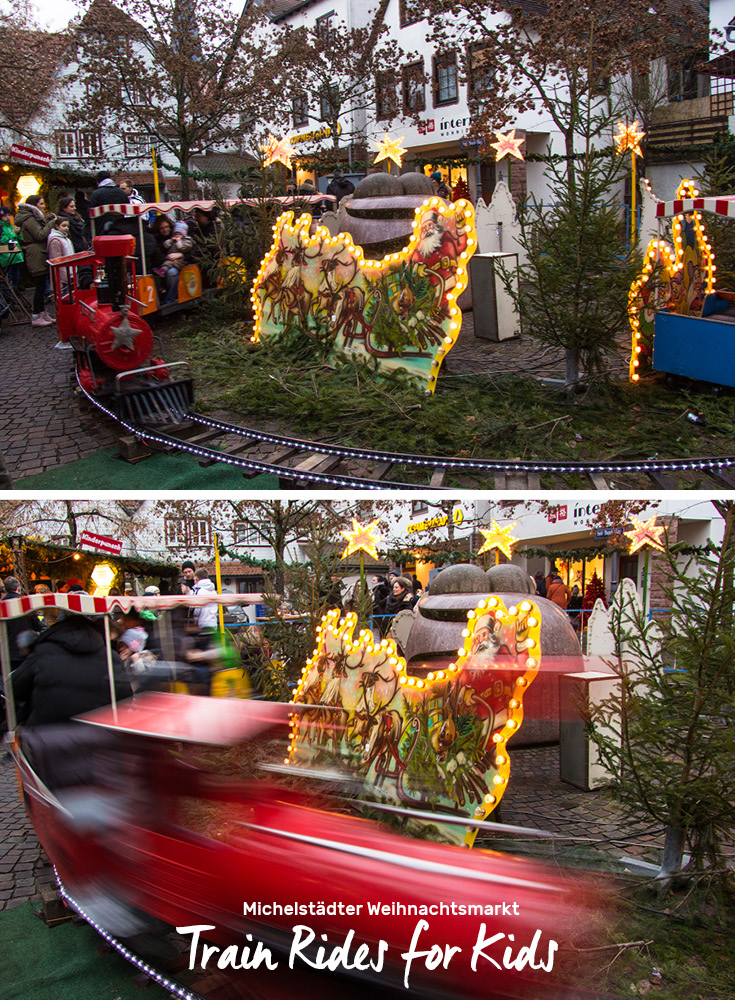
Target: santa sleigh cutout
column 401, row 310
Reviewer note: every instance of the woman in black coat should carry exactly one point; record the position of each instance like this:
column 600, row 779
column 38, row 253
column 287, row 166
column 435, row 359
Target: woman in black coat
column 68, row 210
column 402, row 598
column 66, row 674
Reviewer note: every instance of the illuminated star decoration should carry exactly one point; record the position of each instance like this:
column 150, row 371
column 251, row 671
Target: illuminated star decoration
column 507, row 145
column 363, row 539
column 628, row 138
column 390, row 149
column 644, row 533
column 277, row 151
column 499, row 538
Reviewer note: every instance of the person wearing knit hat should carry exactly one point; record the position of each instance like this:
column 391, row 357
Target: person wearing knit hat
column 134, row 640
column 187, row 578
column 440, row 187
column 137, row 660
column 402, row 598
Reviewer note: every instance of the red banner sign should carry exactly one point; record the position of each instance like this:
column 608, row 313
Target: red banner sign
column 102, row 543
column 28, row 155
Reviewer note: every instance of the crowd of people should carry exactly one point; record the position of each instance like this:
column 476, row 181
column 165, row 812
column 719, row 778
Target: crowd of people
column 59, row 659
column 35, row 235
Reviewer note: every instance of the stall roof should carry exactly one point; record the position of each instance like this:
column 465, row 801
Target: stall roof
column 724, row 205
column 189, row 206
column 85, row 604
column 39, row 551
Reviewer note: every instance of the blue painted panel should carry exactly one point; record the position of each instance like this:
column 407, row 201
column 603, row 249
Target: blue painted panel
column 697, row 348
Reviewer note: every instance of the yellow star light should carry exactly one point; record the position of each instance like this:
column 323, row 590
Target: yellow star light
column 628, row 138
column 498, row 538
column 507, row 145
column 390, row 149
column 362, row 538
column 644, row 533
column 277, row 151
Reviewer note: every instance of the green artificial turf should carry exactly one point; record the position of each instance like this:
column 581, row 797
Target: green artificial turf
column 105, row 470
column 61, row 963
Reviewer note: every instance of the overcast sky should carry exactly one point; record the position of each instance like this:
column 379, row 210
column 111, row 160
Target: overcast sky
column 54, row 14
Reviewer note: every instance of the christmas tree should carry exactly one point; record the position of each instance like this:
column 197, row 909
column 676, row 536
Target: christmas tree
column 594, row 589
column 460, row 190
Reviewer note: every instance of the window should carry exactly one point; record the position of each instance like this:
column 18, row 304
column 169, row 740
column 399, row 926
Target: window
column 386, row 104
column 480, row 65
column 328, row 102
column 419, row 507
column 134, row 94
column 191, row 532
column 300, row 105
column 66, row 144
column 410, row 12
column 89, row 144
column 445, row 79
column 248, row 533
column 326, row 25
column 414, row 96
column 682, row 78
column 80, row 144
column 138, row 144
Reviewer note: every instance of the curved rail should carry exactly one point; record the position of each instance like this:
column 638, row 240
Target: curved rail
column 717, row 466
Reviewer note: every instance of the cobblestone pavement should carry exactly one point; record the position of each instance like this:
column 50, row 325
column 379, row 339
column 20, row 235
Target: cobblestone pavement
column 43, row 423
column 536, row 797
column 24, row 869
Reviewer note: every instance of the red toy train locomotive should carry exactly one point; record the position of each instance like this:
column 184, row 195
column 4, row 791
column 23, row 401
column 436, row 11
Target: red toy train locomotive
column 97, row 313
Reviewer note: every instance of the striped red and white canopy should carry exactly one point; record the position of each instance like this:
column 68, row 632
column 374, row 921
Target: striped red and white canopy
column 189, row 206
column 84, row 604
column 719, row 206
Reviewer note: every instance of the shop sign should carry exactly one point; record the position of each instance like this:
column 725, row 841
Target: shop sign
column 317, row 133
column 471, row 143
column 558, row 513
column 427, row 126
column 604, row 532
column 440, row 521
column 452, row 126
column 583, row 512
column 28, row 155
column 102, row 543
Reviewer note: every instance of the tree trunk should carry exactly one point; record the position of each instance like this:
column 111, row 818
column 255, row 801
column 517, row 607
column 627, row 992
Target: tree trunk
column 673, row 854
column 571, row 376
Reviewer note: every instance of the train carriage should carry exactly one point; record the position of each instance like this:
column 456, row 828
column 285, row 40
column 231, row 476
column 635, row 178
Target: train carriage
column 682, row 323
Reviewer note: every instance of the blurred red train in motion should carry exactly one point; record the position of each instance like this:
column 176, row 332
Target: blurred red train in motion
column 147, row 828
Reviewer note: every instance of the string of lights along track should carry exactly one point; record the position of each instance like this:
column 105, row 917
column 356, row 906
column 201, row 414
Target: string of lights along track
column 302, row 463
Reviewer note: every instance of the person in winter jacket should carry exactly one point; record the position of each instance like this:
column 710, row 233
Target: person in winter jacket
column 18, row 627
column 402, row 598
column 339, row 186
column 10, row 262
column 59, row 241
column 68, row 210
column 106, row 193
column 558, row 592
column 35, row 227
column 206, row 617
column 66, row 674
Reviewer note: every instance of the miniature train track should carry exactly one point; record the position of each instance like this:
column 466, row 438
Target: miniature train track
column 303, row 464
